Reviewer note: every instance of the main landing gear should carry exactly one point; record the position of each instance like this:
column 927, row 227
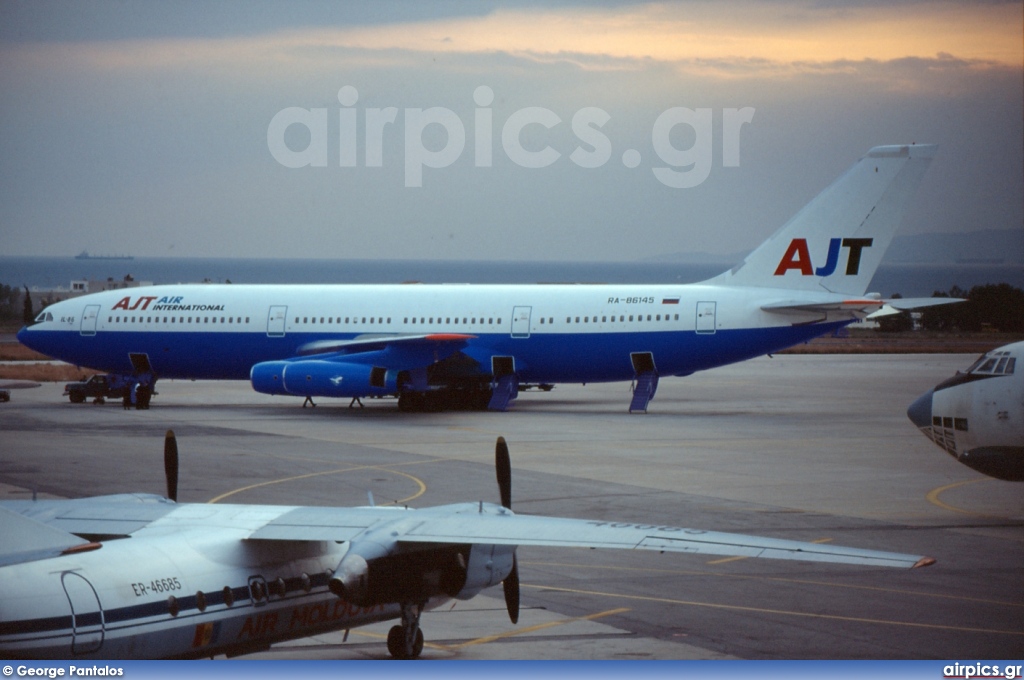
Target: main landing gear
column 406, row 641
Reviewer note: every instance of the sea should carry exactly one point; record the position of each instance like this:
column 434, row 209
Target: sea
column 46, row 273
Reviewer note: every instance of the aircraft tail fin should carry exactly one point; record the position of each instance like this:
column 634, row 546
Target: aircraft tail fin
column 835, row 243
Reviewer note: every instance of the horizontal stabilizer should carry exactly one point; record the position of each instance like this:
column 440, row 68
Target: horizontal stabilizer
column 859, row 307
column 917, row 303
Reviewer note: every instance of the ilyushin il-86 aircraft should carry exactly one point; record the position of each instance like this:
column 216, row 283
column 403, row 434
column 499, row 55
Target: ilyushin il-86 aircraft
column 142, row 576
column 978, row 416
column 476, row 346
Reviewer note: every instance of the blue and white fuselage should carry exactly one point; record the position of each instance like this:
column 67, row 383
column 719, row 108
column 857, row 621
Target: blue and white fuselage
column 481, row 342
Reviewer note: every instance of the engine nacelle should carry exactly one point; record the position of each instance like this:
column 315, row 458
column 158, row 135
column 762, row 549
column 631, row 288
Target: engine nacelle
column 366, row 577
column 488, row 566
column 316, row 378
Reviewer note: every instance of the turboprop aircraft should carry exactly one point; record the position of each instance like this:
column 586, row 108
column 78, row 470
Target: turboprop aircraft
column 476, row 346
column 978, row 416
column 142, row 576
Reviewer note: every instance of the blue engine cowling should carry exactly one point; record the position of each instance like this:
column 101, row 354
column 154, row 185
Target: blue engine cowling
column 322, row 379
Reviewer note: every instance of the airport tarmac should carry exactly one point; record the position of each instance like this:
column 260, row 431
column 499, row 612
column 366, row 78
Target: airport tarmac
column 808, row 447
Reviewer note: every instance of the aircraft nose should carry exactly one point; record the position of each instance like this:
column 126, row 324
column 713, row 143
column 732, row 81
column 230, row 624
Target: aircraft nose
column 920, row 412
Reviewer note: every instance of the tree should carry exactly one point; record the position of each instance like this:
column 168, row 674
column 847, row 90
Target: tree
column 27, row 315
column 997, row 306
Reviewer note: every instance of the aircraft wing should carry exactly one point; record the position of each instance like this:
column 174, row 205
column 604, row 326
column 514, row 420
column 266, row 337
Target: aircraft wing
column 97, row 518
column 448, row 526
column 518, row 530
column 448, row 343
column 25, row 539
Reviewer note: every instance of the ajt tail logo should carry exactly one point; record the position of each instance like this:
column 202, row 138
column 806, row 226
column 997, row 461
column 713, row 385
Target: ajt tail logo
column 798, row 257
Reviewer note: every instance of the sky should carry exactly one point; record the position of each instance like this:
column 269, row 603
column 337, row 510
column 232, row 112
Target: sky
column 607, row 131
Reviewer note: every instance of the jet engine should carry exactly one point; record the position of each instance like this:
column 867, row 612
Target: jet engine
column 318, row 378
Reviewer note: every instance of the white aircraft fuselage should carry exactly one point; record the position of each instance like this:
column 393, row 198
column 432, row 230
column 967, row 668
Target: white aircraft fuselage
column 478, row 344
column 977, row 416
column 556, row 333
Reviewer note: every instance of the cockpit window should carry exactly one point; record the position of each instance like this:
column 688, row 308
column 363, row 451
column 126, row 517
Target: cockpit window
column 994, row 363
column 44, row 316
column 977, row 362
column 986, row 367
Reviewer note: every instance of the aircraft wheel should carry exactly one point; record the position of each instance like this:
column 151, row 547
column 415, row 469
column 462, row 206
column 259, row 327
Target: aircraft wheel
column 396, row 643
column 410, row 402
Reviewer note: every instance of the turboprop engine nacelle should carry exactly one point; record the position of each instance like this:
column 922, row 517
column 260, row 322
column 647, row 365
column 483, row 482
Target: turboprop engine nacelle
column 459, row 571
column 316, row 378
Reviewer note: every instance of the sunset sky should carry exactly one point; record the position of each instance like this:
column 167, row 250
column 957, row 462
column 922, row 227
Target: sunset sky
column 145, row 128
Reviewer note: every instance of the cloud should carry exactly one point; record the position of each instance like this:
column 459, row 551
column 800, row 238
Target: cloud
column 144, row 140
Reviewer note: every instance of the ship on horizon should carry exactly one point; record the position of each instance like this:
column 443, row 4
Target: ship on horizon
column 84, row 255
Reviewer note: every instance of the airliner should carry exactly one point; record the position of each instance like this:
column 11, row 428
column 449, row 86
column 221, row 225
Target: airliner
column 977, row 416
column 140, row 576
column 476, row 346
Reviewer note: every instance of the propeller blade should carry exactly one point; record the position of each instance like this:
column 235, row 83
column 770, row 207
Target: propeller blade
column 171, row 464
column 511, row 586
column 503, row 467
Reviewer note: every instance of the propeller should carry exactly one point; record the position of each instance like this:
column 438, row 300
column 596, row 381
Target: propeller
column 503, row 468
column 171, row 464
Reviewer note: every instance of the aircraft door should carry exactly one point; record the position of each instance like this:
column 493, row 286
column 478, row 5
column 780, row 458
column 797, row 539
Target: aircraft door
column 706, row 317
column 86, row 613
column 89, row 318
column 275, row 321
column 521, row 322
